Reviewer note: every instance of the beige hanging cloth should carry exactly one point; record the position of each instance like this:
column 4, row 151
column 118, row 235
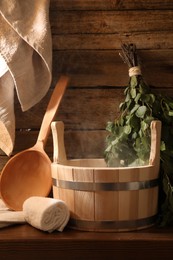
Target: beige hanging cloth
column 25, row 60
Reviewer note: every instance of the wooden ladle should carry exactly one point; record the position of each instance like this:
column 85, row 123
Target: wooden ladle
column 28, row 173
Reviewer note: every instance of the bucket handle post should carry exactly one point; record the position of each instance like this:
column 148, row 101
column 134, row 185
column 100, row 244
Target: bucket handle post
column 59, row 153
column 155, row 143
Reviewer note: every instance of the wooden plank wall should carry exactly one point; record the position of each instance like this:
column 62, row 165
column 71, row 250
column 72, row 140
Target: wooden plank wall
column 87, row 36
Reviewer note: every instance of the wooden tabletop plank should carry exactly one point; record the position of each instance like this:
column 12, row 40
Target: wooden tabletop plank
column 26, row 242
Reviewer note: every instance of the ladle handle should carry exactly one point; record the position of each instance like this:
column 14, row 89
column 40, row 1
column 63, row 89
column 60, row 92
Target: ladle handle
column 52, row 109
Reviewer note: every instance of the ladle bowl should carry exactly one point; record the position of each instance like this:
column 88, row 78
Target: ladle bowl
column 28, row 173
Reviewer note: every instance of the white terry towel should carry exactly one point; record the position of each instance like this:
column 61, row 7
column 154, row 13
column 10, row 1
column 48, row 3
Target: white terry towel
column 11, row 218
column 26, row 47
column 46, row 214
column 8, row 217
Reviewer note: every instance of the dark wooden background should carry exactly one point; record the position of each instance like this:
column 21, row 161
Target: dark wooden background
column 87, row 37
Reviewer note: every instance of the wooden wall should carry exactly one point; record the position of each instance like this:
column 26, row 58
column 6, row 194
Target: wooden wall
column 87, row 37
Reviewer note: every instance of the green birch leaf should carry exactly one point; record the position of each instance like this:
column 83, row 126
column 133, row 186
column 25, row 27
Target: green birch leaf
column 134, row 108
column 170, row 113
column 134, row 135
column 135, row 123
column 129, row 104
column 126, row 91
column 137, row 98
column 145, row 141
column 162, row 146
column 171, row 104
column 110, row 126
column 121, row 121
column 108, row 149
column 133, row 92
column 122, row 106
column 142, row 88
column 146, row 98
column 127, row 97
column 133, row 81
column 138, row 142
column 127, row 129
column 128, row 117
column 144, row 126
column 141, row 111
column 148, row 119
column 152, row 98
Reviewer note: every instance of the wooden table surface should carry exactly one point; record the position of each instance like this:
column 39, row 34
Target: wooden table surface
column 25, row 242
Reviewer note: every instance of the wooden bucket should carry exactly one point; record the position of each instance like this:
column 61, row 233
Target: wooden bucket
column 106, row 199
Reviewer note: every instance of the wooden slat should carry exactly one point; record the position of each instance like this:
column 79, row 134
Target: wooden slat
column 81, row 108
column 111, row 21
column 26, row 242
column 85, row 144
column 79, row 144
column 112, row 41
column 105, row 68
column 109, row 4
column 87, row 37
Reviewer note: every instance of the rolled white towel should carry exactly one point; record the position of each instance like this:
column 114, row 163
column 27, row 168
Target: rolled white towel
column 46, row 214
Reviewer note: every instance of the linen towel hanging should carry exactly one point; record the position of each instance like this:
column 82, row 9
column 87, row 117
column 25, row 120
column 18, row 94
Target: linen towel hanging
column 26, row 49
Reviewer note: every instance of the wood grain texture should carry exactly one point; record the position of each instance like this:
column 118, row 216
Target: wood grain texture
column 87, row 37
column 105, row 68
column 112, row 41
column 26, row 242
column 78, row 143
column 67, row 22
column 81, row 108
column 109, row 4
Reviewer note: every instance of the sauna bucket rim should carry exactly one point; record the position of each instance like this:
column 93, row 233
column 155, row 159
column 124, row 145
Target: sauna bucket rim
column 60, row 159
column 107, row 168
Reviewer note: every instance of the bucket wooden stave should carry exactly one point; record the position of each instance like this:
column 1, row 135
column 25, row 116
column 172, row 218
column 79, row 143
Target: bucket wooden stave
column 102, row 198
